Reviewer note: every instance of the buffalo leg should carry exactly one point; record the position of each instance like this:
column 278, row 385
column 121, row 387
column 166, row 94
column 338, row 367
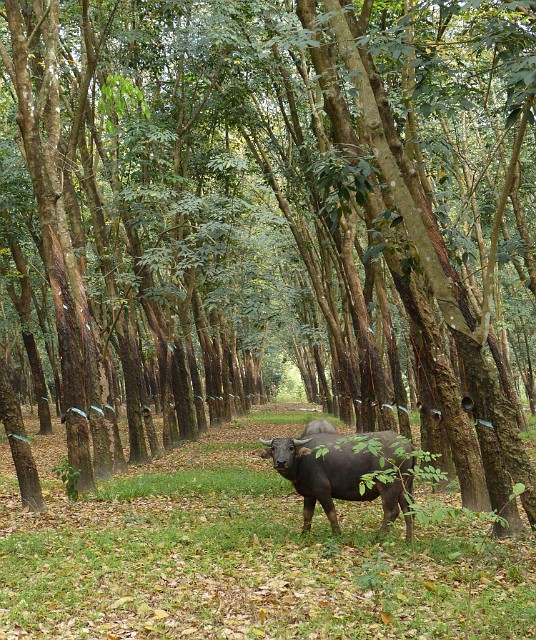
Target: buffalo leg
column 408, row 517
column 390, row 506
column 308, row 512
column 329, row 508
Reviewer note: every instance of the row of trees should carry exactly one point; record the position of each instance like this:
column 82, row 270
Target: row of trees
column 191, row 188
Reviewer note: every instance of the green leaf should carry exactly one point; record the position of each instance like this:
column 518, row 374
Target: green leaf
column 518, row 489
column 513, row 116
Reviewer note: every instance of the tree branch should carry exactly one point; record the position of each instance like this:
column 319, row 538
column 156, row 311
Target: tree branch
column 38, row 26
column 8, row 63
column 481, row 334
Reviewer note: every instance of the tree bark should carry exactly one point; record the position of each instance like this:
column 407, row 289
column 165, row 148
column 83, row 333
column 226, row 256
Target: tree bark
column 23, row 304
column 11, row 416
column 400, row 395
column 131, row 363
column 183, row 394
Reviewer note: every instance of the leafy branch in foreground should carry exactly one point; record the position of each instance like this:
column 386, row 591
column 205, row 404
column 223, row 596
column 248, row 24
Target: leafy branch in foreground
column 69, row 476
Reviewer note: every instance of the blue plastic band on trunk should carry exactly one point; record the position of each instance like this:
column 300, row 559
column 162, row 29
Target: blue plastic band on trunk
column 17, row 437
column 97, row 409
column 485, row 423
column 78, row 411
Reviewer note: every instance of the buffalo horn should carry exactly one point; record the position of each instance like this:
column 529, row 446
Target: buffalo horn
column 300, row 443
column 266, row 443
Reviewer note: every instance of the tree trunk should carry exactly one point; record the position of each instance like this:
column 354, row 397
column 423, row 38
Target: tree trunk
column 400, row 395
column 434, row 365
column 41, row 160
column 120, row 464
column 183, row 395
column 304, row 372
column 40, row 386
column 374, row 387
column 434, row 436
column 131, row 364
column 237, row 378
column 210, row 362
column 223, row 352
column 23, row 304
column 11, row 416
column 325, row 397
column 197, row 386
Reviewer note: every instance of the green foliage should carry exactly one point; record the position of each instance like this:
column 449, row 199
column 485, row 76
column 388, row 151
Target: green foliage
column 119, row 96
column 341, row 179
column 69, row 477
column 16, row 194
column 376, row 577
column 290, row 388
column 321, row 451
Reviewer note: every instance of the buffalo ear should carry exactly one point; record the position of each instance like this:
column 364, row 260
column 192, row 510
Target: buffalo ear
column 304, row 451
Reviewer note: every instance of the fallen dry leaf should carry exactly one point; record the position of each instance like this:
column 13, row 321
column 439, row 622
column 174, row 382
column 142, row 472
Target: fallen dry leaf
column 387, row 618
column 160, row 614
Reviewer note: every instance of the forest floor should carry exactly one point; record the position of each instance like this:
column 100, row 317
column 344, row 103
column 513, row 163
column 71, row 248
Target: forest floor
column 205, row 543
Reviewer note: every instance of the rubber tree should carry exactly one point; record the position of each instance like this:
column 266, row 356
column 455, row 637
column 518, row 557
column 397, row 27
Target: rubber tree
column 38, row 113
column 491, row 407
column 25, row 467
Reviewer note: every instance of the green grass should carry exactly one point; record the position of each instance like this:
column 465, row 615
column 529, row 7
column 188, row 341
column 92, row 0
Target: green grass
column 10, row 485
column 530, row 433
column 333, row 586
column 230, row 482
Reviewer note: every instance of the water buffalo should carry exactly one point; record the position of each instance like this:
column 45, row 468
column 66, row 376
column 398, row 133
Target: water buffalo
column 318, row 426
column 337, row 474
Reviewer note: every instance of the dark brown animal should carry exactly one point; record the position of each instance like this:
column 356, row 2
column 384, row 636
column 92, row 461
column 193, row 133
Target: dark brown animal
column 338, row 473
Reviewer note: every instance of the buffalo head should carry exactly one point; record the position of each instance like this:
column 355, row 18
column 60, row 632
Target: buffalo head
column 284, row 451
